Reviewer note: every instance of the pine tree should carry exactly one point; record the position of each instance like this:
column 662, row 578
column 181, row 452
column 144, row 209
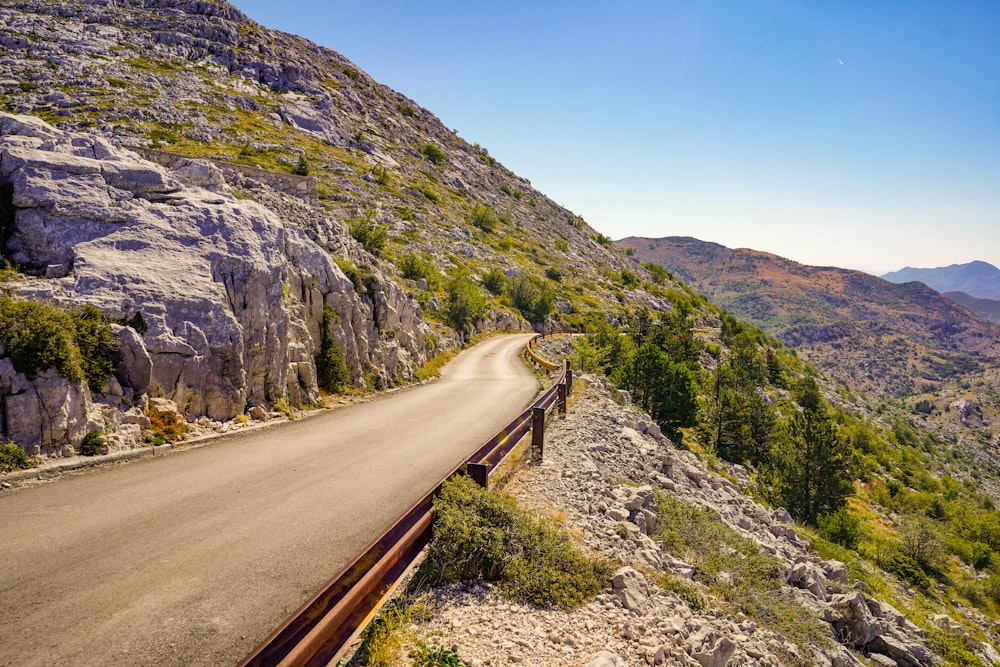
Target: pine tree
column 814, row 460
column 663, row 388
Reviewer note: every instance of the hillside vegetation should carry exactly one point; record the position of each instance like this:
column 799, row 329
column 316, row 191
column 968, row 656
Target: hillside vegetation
column 903, row 508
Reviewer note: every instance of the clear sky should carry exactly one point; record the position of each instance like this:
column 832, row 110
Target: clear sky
column 862, row 134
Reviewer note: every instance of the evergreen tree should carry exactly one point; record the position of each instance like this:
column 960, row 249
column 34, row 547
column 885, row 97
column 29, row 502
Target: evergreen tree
column 663, row 388
column 814, row 461
column 464, row 304
column 738, row 422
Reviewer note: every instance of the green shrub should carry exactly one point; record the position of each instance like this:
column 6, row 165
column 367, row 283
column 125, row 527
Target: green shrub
column 383, row 638
column 841, row 527
column 495, row 281
column 38, row 336
column 381, row 175
column 439, row 656
column 361, row 277
column 553, row 273
column 907, row 569
column 433, row 154
column 404, row 213
column 301, row 167
column 369, row 233
column 484, row 218
column 481, row 534
column 629, row 279
column 532, row 296
column 138, row 323
column 687, row 591
column 332, row 373
column 96, row 343
column 413, row 267
column 12, row 458
column 92, row 444
column 980, row 555
column 464, row 304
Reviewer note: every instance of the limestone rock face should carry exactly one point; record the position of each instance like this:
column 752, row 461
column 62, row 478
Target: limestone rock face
column 232, row 293
column 41, row 411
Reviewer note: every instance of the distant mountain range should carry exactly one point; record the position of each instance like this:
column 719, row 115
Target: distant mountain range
column 871, row 333
column 978, row 279
column 986, row 308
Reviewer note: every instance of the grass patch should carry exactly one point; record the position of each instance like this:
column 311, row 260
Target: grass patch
column 437, row 656
column 382, row 641
column 955, row 650
column 738, row 571
column 12, row 458
column 432, row 368
column 482, row 534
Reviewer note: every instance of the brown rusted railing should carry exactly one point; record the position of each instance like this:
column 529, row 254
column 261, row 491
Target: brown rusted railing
column 323, row 628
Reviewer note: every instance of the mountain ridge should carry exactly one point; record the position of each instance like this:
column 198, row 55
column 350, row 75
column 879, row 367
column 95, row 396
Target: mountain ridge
column 846, row 321
column 977, row 278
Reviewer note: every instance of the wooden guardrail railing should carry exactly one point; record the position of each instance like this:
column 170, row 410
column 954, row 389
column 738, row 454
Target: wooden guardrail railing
column 322, row 630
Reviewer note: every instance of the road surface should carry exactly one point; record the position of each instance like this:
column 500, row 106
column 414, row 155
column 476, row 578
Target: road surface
column 194, row 557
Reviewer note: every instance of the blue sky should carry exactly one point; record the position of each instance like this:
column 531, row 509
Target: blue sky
column 857, row 134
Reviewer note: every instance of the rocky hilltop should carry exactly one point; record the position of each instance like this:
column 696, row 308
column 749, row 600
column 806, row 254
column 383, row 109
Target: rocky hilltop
column 161, row 186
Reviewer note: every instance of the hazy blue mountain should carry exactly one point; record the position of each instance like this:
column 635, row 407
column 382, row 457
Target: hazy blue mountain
column 978, row 279
column 986, row 308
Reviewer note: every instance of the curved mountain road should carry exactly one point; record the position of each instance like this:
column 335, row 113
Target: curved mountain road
column 193, row 558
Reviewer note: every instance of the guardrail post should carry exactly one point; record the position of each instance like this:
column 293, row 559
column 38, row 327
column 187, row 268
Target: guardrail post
column 538, row 431
column 480, row 474
column 569, row 377
column 561, row 400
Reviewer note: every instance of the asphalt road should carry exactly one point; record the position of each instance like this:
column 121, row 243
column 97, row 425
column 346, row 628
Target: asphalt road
column 193, row 558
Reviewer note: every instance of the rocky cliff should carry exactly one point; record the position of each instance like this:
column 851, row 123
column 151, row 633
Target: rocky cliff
column 232, row 293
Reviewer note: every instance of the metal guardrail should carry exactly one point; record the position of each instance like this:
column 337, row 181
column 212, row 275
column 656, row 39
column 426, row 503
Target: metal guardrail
column 538, row 359
column 322, row 630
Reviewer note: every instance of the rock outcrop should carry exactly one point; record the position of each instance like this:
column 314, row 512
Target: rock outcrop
column 232, row 294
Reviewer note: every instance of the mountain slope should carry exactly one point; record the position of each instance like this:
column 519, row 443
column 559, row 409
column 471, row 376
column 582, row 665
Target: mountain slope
column 381, row 213
column 868, row 332
column 201, row 79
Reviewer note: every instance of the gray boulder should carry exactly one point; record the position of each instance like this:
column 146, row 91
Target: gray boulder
column 631, row 589
column 606, row 659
